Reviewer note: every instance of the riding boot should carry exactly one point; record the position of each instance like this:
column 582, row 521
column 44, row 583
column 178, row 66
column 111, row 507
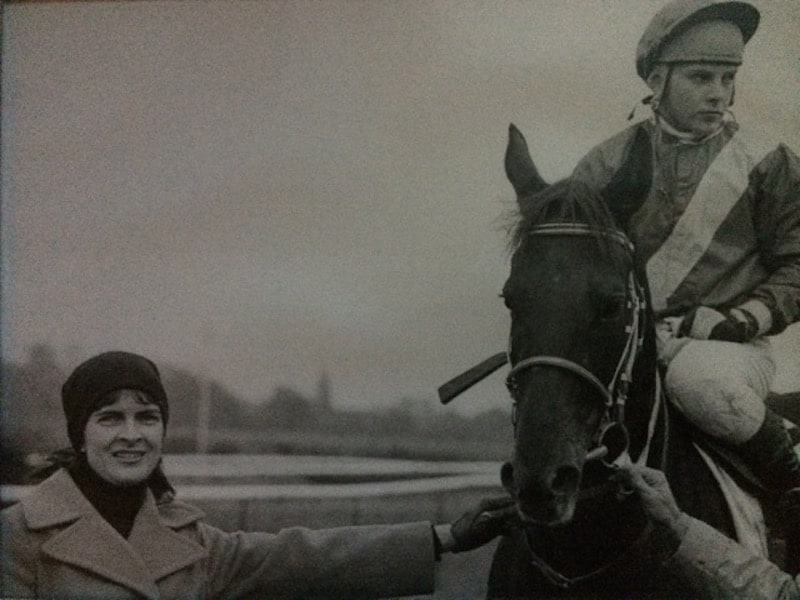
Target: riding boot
column 771, row 454
column 791, row 515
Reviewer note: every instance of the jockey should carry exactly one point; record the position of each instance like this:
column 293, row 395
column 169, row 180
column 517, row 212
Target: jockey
column 718, row 231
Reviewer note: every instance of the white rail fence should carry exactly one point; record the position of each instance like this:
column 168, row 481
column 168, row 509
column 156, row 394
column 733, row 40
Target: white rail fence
column 269, row 492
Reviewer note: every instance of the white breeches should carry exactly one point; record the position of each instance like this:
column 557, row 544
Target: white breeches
column 721, row 386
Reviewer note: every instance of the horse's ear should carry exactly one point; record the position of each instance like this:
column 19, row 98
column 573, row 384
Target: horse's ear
column 520, row 170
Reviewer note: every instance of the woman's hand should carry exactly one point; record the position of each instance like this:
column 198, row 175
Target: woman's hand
column 478, row 526
column 657, row 500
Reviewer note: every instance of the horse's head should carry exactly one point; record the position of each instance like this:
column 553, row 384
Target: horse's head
column 574, row 304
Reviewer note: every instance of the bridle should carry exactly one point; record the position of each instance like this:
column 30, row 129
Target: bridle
column 612, row 433
column 611, row 440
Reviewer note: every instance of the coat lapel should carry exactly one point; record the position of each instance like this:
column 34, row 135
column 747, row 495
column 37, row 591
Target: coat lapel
column 152, row 551
column 163, row 550
column 92, row 544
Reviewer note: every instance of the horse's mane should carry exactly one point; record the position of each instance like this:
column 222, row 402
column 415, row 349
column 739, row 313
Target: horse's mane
column 568, row 201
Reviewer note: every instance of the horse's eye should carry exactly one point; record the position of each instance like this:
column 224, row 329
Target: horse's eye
column 612, row 309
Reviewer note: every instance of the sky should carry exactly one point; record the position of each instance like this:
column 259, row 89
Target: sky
column 263, row 191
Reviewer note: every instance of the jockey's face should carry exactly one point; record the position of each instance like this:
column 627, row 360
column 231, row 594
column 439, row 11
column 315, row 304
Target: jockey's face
column 697, row 96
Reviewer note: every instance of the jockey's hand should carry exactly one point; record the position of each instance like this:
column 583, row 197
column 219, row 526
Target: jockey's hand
column 478, row 526
column 657, row 500
column 705, row 323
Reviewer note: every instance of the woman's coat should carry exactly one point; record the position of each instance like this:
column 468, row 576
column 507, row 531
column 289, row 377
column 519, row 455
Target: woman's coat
column 54, row 544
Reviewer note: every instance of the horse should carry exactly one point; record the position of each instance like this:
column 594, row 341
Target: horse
column 585, row 390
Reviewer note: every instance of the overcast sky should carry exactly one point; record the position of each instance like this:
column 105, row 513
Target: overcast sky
column 266, row 190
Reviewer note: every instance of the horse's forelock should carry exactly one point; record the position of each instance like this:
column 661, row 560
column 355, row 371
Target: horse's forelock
column 566, row 201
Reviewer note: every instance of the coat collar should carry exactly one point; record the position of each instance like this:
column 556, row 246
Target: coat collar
column 152, row 551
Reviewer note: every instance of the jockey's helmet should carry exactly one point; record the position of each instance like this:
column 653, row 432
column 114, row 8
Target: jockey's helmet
column 696, row 31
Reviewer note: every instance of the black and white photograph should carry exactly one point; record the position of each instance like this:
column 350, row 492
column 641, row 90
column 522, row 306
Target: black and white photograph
column 432, row 298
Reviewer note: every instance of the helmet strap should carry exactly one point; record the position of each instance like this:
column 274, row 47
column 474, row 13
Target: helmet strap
column 658, row 89
column 646, row 100
column 664, row 74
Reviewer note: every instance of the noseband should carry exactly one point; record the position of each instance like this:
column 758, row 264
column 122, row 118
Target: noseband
column 614, row 394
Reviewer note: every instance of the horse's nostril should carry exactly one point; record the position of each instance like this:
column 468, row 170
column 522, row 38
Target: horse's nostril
column 566, row 480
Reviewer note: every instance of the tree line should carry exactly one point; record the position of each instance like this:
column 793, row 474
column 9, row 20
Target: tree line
column 286, row 421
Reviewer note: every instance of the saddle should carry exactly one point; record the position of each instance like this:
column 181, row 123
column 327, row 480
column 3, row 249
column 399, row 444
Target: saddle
column 785, row 405
column 781, row 517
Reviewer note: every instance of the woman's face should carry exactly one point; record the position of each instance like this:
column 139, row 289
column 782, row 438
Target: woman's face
column 123, row 440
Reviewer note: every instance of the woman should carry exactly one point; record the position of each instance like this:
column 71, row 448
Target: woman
column 108, row 525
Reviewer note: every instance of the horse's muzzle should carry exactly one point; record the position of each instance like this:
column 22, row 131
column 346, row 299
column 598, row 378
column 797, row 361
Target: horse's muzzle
column 549, row 503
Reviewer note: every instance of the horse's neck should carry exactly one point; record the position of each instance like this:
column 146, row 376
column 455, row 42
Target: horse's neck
column 703, row 499
column 645, row 397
